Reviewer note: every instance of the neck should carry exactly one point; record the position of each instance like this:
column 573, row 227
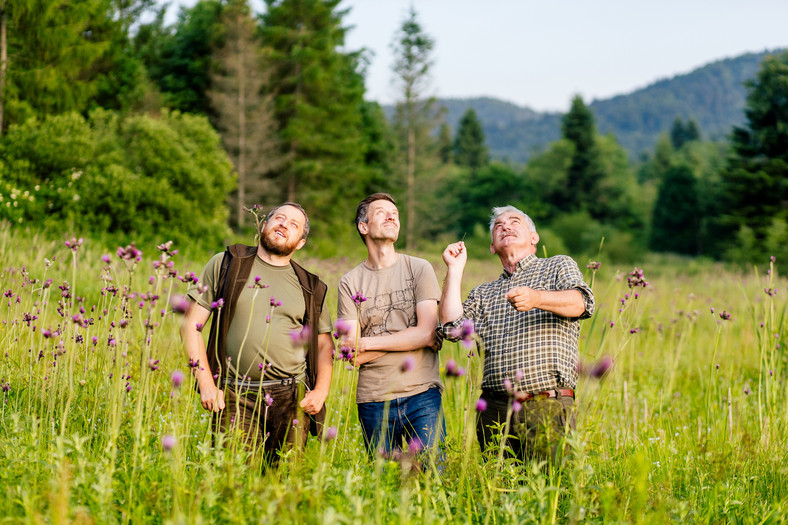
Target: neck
column 273, row 259
column 509, row 260
column 380, row 255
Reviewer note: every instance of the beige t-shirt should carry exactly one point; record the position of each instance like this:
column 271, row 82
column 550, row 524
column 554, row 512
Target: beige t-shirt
column 263, row 330
column 392, row 294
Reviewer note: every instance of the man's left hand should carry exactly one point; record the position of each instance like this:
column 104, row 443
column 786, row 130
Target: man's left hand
column 313, row 401
column 524, row 298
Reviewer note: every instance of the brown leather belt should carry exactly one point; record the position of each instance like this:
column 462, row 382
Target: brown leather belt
column 523, row 396
column 561, row 392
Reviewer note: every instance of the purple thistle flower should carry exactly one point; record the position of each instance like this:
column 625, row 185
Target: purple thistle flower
column 724, row 315
column 358, row 298
column 295, row 422
column 415, row 446
column 407, row 364
column 268, row 399
column 516, row 406
column 711, row 309
column 601, row 368
column 330, row 434
column 177, row 377
column 465, row 333
column 636, row 278
column 481, row 405
column 130, row 253
column 594, row 265
column 179, row 303
column 519, row 375
column 105, row 258
column 73, row 244
column 194, row 363
column 507, row 384
column 168, row 443
column 452, row 370
column 153, row 365
column 301, row 337
column 342, row 328
column 219, row 303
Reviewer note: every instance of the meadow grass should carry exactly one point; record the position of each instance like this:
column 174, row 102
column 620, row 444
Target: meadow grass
column 689, row 424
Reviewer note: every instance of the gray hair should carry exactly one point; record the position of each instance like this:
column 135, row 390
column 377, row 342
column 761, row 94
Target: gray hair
column 497, row 212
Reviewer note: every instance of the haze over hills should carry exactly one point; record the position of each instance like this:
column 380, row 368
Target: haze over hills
column 714, row 95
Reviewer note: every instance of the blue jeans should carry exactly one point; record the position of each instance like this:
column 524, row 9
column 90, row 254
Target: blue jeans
column 415, row 419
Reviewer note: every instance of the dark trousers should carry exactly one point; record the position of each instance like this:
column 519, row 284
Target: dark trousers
column 536, row 431
column 258, row 425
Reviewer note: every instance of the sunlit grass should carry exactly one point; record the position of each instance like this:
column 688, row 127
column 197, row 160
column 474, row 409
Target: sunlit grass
column 688, row 425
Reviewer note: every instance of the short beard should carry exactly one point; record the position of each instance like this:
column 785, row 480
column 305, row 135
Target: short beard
column 281, row 250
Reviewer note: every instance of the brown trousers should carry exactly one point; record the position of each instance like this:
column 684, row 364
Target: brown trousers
column 536, row 432
column 247, row 417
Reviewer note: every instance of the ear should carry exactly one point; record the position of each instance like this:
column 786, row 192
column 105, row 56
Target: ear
column 300, row 244
column 363, row 228
column 492, row 248
column 534, row 238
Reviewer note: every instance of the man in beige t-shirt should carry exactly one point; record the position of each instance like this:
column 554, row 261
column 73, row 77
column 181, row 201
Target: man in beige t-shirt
column 392, row 332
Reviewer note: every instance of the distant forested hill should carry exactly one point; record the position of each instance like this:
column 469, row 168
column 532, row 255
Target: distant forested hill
column 713, row 95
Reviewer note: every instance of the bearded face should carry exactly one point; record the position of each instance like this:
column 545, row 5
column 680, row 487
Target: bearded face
column 282, row 233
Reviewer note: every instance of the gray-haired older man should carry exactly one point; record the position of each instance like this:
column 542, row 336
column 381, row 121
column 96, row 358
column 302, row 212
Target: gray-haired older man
column 527, row 322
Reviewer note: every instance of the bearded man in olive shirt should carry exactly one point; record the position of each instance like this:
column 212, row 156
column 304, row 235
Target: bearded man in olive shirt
column 266, row 355
column 527, row 321
column 398, row 375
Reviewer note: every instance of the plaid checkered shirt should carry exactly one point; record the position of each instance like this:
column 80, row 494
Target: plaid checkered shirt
column 540, row 344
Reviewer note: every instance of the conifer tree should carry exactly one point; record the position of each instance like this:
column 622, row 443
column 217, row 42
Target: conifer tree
column 416, row 113
column 470, row 148
column 319, row 100
column 756, row 177
column 244, row 115
column 584, row 173
column 675, row 220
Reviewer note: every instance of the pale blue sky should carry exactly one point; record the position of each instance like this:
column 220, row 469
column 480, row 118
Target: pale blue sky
column 540, row 53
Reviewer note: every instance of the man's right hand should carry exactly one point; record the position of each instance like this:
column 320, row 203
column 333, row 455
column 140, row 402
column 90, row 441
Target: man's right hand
column 212, row 398
column 455, row 255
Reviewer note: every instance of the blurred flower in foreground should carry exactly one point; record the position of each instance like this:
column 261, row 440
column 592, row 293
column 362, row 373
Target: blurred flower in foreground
column 358, row 298
column 452, row 370
column 168, row 443
column 481, row 405
column 407, row 364
column 301, row 337
column 179, row 303
column 465, row 332
column 177, row 378
column 330, row 434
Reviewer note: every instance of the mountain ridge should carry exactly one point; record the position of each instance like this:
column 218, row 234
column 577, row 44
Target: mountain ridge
column 713, row 94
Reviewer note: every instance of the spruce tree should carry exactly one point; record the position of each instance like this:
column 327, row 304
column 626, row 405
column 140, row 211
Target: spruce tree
column 319, row 101
column 244, row 115
column 756, row 176
column 416, row 114
column 470, row 149
column 584, row 174
column 675, row 219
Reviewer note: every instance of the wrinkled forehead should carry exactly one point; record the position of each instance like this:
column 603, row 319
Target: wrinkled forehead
column 290, row 214
column 381, row 205
column 508, row 217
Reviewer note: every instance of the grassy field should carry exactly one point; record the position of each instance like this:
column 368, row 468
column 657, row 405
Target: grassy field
column 689, row 425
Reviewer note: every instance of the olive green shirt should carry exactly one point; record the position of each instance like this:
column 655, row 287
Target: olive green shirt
column 265, row 318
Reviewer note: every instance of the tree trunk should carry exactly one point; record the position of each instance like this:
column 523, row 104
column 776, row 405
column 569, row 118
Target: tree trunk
column 241, row 134
column 409, row 240
column 3, row 59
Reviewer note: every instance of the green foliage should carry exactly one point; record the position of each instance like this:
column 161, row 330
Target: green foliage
column 584, row 173
column 53, row 49
column 756, row 191
column 470, row 149
column 178, row 58
column 675, row 221
column 319, row 100
column 136, row 176
column 475, row 192
column 681, row 133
